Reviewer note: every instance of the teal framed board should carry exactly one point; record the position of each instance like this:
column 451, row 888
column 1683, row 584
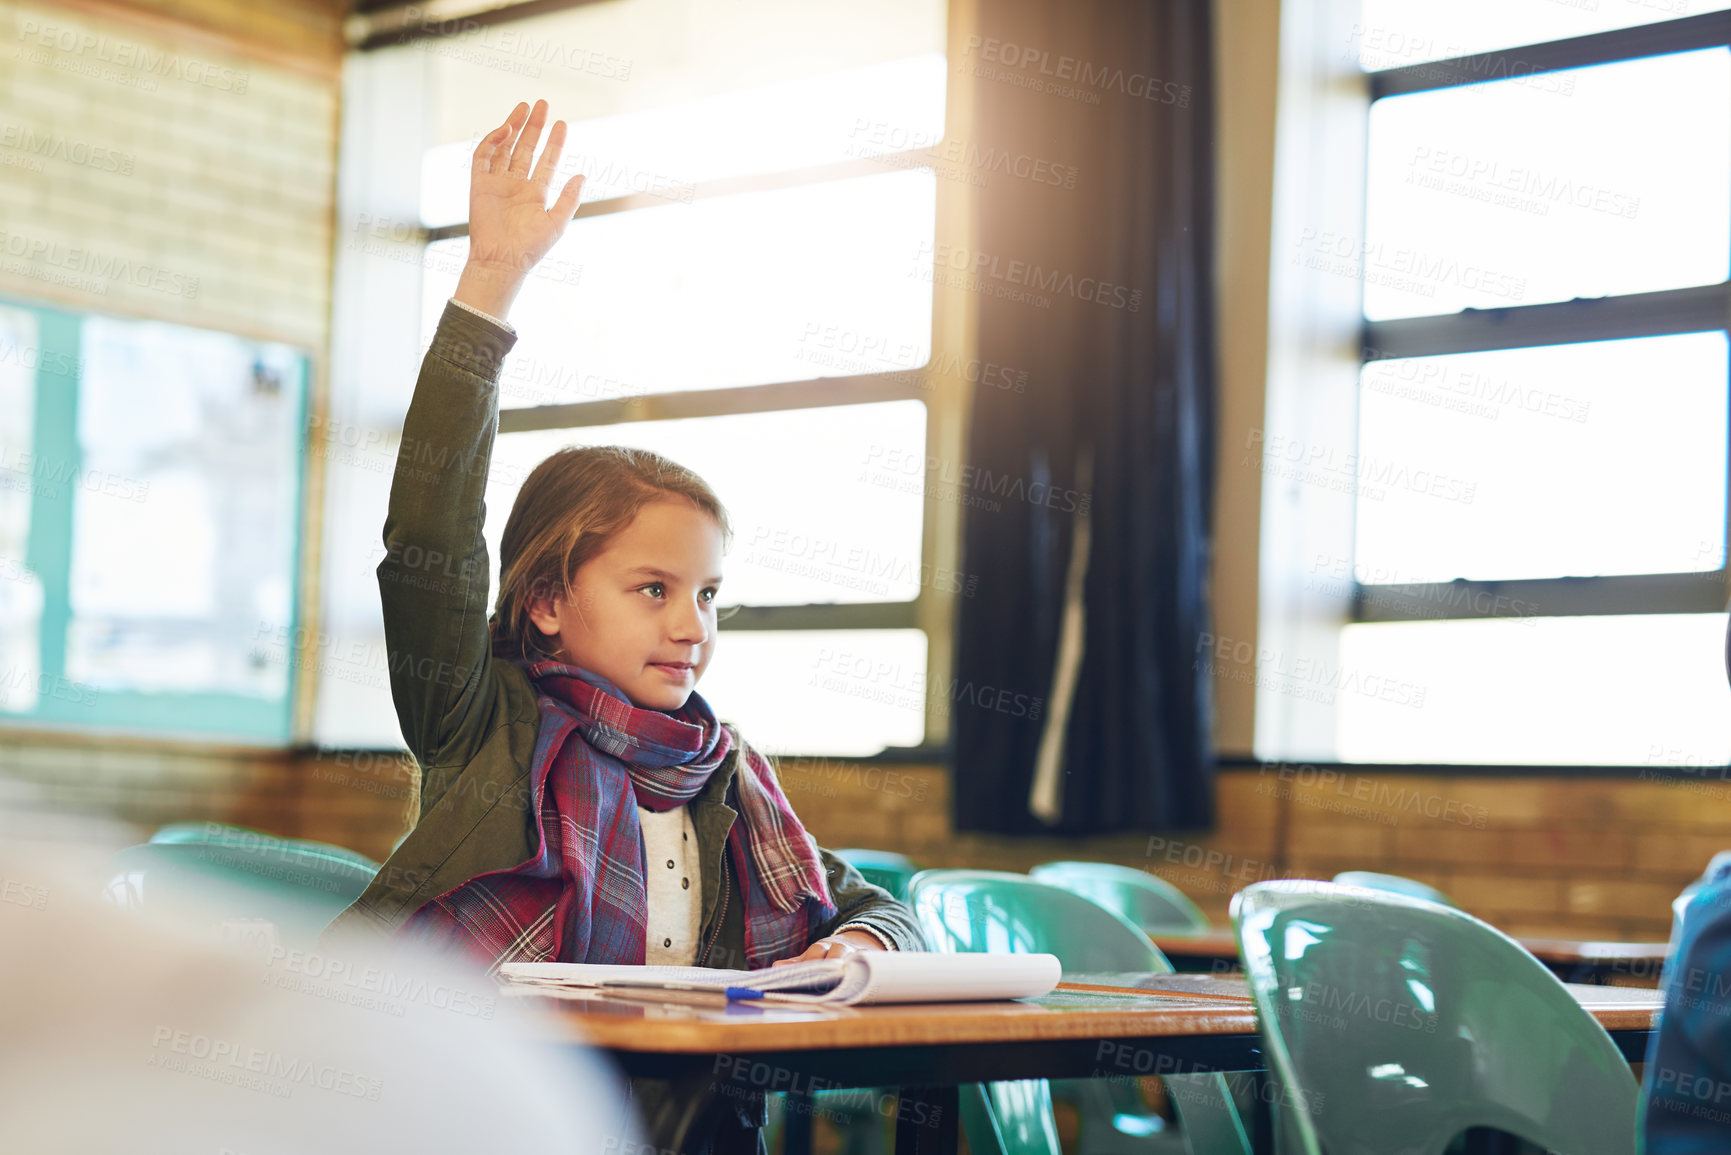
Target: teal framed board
column 151, row 490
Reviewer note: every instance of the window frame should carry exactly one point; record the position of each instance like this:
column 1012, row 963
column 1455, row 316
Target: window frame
column 1697, row 309
column 946, row 403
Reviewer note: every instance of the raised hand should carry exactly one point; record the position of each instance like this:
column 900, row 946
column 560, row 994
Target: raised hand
column 510, row 226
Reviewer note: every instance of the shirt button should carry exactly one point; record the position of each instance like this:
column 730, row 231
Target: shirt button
column 670, row 864
column 666, row 942
column 685, row 837
column 685, row 884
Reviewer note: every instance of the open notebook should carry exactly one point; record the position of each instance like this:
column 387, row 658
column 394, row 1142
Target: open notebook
column 868, row 977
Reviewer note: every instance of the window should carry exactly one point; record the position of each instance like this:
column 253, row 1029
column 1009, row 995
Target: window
column 1540, row 468
column 742, row 290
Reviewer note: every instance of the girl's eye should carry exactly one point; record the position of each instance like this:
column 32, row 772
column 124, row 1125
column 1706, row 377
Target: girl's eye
column 654, row 589
column 710, row 594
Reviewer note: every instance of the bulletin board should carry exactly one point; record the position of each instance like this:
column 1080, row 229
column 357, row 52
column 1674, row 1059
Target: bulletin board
column 151, row 479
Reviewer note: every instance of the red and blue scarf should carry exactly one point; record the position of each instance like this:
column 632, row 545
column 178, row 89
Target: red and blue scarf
column 582, row 897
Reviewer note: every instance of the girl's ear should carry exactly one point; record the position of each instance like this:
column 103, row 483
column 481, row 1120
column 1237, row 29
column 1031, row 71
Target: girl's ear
column 544, row 614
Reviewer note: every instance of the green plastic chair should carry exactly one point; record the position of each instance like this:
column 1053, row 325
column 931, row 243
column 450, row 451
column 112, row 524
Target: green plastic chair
column 298, row 887
column 985, row 911
column 224, row 833
column 1393, row 884
column 883, row 868
column 863, row 1129
column 1147, row 900
column 1394, row 1024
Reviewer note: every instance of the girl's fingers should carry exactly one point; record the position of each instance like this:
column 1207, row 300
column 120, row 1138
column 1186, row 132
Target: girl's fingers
column 487, row 158
column 549, row 161
column 524, row 152
column 566, row 206
column 482, row 161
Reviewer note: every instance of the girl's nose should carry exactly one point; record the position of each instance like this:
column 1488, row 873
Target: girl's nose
column 690, row 625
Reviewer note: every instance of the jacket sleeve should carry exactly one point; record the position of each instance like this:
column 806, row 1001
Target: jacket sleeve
column 433, row 582
column 860, row 905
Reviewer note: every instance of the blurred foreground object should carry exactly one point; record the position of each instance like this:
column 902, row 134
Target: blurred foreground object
column 185, row 1043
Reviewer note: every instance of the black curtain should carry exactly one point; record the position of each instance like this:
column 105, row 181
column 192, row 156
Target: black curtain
column 1097, row 286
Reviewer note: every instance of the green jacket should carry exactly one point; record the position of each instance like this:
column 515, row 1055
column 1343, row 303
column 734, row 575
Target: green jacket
column 469, row 720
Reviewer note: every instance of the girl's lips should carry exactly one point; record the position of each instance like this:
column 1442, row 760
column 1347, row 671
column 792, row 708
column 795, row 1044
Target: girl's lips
column 673, row 669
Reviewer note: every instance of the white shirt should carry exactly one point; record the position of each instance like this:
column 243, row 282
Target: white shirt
column 674, row 887
column 499, row 321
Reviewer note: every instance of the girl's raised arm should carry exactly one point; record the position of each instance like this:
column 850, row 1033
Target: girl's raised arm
column 433, row 582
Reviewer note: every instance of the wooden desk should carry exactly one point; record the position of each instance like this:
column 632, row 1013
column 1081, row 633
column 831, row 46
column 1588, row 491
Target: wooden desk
column 1581, row 962
column 1093, row 1026
column 1215, row 950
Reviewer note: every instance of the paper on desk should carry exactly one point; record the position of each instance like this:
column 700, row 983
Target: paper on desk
column 866, row 977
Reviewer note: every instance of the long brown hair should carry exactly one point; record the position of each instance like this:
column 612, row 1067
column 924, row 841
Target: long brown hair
column 571, row 505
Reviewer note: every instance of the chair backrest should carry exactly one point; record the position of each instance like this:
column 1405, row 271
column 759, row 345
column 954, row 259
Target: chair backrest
column 224, row 833
column 298, row 888
column 1393, row 1024
column 883, row 868
column 989, row 911
column 1147, row 900
column 1394, row 884
column 194, row 832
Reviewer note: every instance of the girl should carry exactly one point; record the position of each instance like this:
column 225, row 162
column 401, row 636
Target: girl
column 579, row 801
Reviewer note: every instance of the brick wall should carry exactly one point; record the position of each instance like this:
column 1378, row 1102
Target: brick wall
column 1582, row 857
column 362, row 801
column 172, row 159
column 164, row 173
column 1576, row 858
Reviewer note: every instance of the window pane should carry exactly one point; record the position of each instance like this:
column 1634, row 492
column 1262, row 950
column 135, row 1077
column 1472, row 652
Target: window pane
column 1604, row 180
column 894, row 105
column 809, row 524
column 739, row 290
column 1395, row 33
column 842, row 692
column 1637, row 690
column 1564, row 460
column 601, row 60
column 183, row 558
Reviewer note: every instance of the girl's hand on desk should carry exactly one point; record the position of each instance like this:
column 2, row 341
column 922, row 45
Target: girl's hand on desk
column 510, row 226
column 839, row 945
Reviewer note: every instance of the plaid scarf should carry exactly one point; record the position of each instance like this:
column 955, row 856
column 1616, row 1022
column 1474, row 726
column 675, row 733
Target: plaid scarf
column 582, row 897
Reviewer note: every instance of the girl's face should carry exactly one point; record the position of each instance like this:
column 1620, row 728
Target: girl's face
column 644, row 615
